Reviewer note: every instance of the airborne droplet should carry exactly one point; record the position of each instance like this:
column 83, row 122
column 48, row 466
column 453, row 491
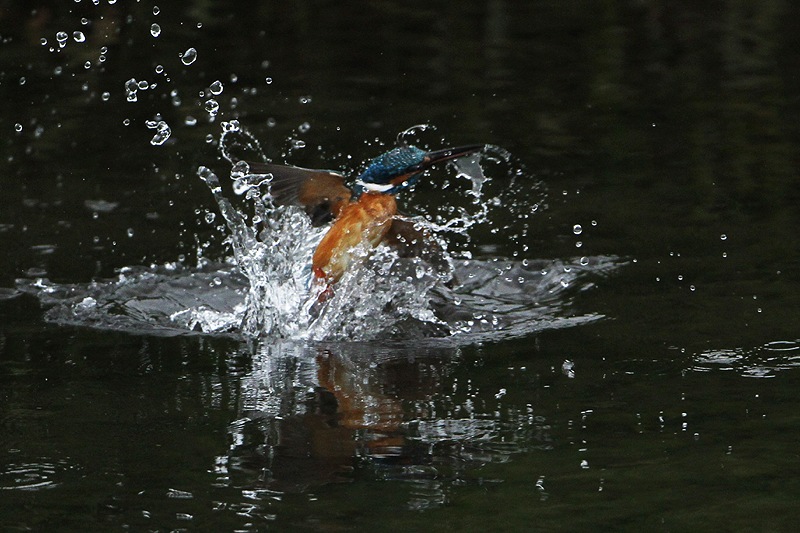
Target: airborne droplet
column 163, row 132
column 212, row 107
column 189, row 56
column 216, row 88
column 155, row 30
column 78, row 36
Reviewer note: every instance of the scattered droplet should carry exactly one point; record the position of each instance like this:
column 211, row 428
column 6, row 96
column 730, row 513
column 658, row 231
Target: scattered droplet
column 155, row 30
column 216, row 88
column 212, row 107
column 723, row 237
column 305, row 100
column 78, row 36
column 156, row 10
column 18, row 127
column 577, row 229
column 131, row 87
column 268, row 80
column 190, row 120
column 298, row 143
column 62, row 37
column 304, row 127
column 43, row 41
column 189, row 56
column 105, row 96
column 163, row 132
column 130, row 232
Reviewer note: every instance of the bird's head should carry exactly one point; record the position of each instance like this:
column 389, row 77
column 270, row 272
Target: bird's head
column 401, row 167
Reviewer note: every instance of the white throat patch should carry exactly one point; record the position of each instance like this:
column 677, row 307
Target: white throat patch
column 375, row 187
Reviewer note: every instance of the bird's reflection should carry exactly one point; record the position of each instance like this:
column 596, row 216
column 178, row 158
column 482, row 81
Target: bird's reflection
column 315, row 415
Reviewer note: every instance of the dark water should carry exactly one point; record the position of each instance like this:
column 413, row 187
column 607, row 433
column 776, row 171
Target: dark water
column 656, row 393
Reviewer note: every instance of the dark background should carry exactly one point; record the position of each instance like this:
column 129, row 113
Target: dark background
column 672, row 125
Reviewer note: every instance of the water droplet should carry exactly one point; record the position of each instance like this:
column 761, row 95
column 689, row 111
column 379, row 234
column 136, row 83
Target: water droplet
column 577, row 229
column 105, row 96
column 22, row 80
column 143, row 85
column 130, row 90
column 78, row 36
column 155, row 30
column 271, row 122
column 210, row 217
column 126, row 122
column 43, row 41
column 87, row 65
column 18, row 127
column 163, row 132
column 578, row 244
column 212, row 107
column 680, row 277
column 304, row 127
column 305, row 100
column 692, row 288
column 62, row 37
column 216, row 88
column 130, row 232
column 189, row 56
column 159, row 69
column 190, row 120
column 85, row 21
column 199, row 25
column 268, row 80
column 723, row 237
column 298, row 143
column 156, row 10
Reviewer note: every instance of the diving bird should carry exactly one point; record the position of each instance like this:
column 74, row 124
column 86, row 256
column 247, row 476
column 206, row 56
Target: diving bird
column 363, row 216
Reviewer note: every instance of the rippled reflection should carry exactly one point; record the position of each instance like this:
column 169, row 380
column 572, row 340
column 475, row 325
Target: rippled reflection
column 312, row 416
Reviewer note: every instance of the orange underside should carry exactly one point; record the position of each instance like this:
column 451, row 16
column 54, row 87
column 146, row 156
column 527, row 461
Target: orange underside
column 363, row 223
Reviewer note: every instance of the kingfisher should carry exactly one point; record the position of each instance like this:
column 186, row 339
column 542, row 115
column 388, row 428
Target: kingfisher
column 363, row 216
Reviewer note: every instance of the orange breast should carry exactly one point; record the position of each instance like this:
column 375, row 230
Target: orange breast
column 360, row 224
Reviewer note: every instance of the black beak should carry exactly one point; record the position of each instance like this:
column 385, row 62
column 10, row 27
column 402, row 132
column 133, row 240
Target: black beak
column 431, row 158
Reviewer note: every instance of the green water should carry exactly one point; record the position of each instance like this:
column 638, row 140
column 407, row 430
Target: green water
column 668, row 133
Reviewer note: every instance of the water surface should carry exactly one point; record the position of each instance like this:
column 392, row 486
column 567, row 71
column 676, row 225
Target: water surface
column 656, row 389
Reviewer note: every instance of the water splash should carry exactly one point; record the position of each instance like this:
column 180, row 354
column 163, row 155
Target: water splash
column 389, row 296
column 265, row 289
